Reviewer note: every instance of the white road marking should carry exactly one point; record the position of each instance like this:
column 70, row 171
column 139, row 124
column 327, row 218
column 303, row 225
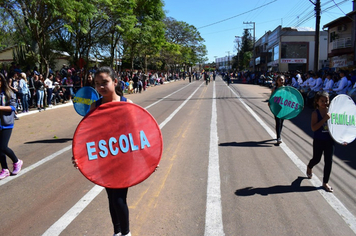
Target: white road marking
column 213, row 215
column 63, row 222
column 333, row 201
column 70, row 215
column 180, row 107
column 167, row 96
column 37, row 164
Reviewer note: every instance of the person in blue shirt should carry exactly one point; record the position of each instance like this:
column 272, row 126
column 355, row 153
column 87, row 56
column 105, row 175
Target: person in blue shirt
column 7, row 116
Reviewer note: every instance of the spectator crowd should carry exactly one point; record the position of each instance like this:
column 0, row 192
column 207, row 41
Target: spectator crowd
column 309, row 83
column 34, row 90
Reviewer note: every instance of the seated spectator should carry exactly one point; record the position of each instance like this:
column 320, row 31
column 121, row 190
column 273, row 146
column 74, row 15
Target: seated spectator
column 342, row 85
column 318, row 84
column 58, row 94
column 329, row 83
column 295, row 82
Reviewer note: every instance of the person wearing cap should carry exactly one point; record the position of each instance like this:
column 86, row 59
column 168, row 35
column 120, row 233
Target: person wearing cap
column 63, row 71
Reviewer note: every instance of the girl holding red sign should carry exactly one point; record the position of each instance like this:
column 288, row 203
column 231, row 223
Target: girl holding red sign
column 105, row 81
column 322, row 141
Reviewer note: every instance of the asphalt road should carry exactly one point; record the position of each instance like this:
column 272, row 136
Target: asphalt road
column 220, row 172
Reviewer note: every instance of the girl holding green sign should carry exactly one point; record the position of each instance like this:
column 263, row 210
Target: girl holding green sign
column 279, row 122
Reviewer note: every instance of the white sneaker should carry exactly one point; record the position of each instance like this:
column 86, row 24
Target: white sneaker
column 118, row 234
column 279, row 140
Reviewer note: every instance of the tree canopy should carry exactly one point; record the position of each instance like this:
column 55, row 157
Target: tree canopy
column 244, row 51
column 135, row 31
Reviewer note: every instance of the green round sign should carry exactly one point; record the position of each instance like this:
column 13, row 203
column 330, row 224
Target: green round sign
column 286, row 102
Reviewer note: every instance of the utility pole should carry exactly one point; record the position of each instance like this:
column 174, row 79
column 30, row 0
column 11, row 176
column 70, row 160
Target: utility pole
column 317, row 32
column 254, row 31
column 237, row 40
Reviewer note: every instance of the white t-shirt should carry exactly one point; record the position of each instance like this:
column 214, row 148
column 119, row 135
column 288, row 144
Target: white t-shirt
column 48, row 83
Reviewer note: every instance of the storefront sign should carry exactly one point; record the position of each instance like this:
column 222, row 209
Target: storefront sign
column 294, row 60
column 339, row 63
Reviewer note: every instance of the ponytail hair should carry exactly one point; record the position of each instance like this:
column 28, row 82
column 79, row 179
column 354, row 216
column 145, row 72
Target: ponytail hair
column 5, row 87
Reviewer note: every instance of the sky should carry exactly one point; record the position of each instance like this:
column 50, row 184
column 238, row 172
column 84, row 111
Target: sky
column 220, row 21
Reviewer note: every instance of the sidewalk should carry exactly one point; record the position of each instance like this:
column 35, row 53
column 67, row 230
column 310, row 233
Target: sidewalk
column 34, row 110
column 70, row 103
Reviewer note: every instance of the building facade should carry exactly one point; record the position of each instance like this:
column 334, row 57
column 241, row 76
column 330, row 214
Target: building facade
column 224, row 63
column 341, row 43
column 287, row 49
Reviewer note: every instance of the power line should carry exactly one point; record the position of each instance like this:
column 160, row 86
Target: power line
column 310, row 14
column 238, row 15
column 338, row 7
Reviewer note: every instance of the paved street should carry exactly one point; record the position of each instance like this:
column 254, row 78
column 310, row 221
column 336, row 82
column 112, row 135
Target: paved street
column 220, row 172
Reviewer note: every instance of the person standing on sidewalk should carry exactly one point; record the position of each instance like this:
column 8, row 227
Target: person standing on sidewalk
column 7, row 115
column 48, row 83
column 24, row 92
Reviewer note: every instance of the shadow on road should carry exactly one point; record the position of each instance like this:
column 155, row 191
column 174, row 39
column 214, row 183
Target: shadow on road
column 264, row 143
column 302, row 121
column 54, row 140
column 278, row 189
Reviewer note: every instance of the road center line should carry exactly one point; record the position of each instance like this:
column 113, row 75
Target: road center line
column 213, row 215
column 333, row 201
column 63, row 222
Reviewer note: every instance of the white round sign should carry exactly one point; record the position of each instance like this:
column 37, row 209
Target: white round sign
column 342, row 123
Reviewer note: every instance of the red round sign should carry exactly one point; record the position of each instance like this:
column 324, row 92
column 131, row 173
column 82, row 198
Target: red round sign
column 117, row 145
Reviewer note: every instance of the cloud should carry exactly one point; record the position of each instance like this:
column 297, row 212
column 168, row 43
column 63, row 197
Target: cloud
column 305, row 29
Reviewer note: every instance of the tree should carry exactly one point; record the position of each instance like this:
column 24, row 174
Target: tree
column 147, row 37
column 245, row 53
column 8, row 31
column 39, row 20
column 187, row 37
column 120, row 19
